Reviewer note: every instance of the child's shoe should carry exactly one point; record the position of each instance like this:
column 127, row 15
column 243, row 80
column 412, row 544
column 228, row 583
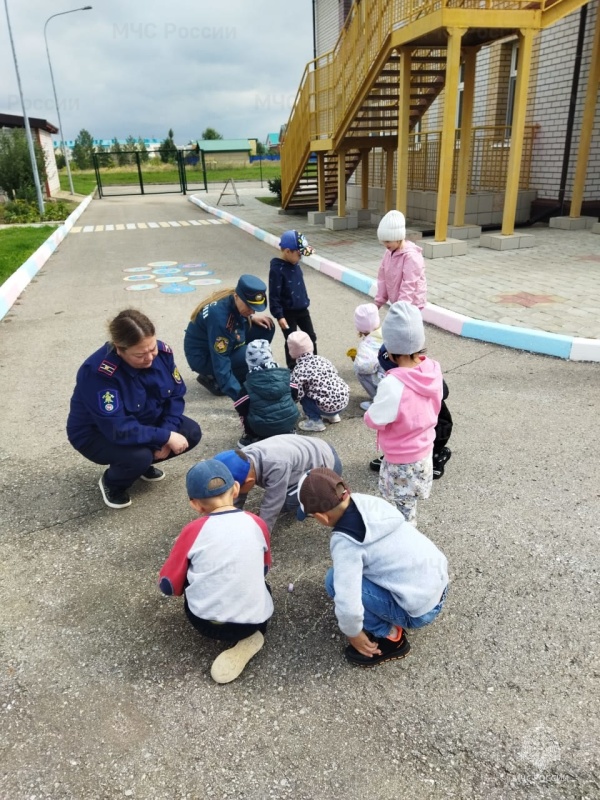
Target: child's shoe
column 375, row 463
column 153, row 474
column 246, row 439
column 312, row 425
column 230, row 663
column 390, row 651
column 332, row 420
column 366, row 405
column 439, row 462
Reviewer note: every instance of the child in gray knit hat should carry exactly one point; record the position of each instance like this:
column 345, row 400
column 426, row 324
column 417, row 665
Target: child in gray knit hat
column 401, row 274
column 405, row 411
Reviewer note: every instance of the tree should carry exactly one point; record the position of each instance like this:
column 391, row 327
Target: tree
column 83, row 149
column 260, row 149
column 16, row 174
column 131, row 145
column 141, row 146
column 118, row 151
column 211, row 133
column 168, row 148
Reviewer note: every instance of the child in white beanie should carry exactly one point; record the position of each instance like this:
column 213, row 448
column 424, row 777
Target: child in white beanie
column 401, row 273
column 321, row 391
column 405, row 412
column 365, row 361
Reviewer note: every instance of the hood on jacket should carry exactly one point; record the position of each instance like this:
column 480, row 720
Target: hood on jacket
column 424, row 379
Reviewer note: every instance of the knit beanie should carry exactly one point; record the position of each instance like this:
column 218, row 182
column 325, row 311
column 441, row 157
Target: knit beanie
column 366, row 318
column 392, row 227
column 259, row 355
column 299, row 343
column 403, row 332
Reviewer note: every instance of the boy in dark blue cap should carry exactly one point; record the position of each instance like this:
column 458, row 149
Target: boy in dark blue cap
column 289, row 300
column 219, row 561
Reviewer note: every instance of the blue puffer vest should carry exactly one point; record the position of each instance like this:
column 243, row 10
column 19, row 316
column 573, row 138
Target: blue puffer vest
column 272, row 410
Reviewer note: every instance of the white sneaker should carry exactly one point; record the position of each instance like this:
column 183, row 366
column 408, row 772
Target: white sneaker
column 313, row 425
column 332, row 420
column 366, row 405
column 230, row 664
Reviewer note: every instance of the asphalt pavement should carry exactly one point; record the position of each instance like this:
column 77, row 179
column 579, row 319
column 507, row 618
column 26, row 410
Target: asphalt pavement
column 105, row 687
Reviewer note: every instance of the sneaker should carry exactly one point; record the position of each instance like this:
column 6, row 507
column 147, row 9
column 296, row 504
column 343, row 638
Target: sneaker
column 439, row 462
column 332, row 420
column 114, row 498
column 366, row 405
column 390, row 651
column 375, row 463
column 152, row 475
column 210, row 383
column 313, row 425
column 230, row 663
column 245, row 440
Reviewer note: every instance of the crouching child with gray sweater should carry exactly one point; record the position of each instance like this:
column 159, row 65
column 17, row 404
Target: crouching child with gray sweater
column 386, row 575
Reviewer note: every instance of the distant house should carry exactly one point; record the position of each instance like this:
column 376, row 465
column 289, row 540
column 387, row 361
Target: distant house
column 225, row 151
column 41, row 130
column 273, row 144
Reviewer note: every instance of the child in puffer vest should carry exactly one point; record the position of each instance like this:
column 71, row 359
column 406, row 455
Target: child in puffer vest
column 267, row 403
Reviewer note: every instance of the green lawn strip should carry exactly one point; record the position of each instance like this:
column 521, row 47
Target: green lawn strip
column 17, row 244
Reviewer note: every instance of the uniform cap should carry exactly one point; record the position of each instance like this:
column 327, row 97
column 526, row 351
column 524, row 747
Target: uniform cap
column 202, row 474
column 320, row 490
column 252, row 291
column 238, row 467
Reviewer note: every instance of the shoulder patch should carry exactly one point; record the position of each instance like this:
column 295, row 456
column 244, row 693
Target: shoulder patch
column 164, row 347
column 107, row 368
column 177, row 376
column 109, row 401
column 220, row 345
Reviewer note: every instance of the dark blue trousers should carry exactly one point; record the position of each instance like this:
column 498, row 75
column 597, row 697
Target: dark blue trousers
column 128, row 462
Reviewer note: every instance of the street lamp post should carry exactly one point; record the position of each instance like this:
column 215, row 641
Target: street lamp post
column 60, row 128
column 36, row 177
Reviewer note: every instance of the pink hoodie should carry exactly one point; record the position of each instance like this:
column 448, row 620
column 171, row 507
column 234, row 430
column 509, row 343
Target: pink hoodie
column 405, row 410
column 401, row 276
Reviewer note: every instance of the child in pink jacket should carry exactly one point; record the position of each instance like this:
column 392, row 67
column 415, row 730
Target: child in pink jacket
column 405, row 411
column 401, row 274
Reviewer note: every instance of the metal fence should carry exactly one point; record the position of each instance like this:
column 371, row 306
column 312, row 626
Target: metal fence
column 130, row 172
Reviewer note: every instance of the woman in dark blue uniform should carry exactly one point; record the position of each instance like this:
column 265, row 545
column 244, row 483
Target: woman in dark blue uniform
column 220, row 328
column 127, row 408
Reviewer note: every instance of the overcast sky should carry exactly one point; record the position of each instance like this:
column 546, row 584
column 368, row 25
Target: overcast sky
column 142, row 67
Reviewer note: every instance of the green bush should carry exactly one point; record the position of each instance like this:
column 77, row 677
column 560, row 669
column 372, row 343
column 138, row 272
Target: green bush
column 275, row 187
column 23, row 211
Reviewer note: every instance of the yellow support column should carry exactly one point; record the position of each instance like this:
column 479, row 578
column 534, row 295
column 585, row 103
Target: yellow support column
column 364, row 178
column 516, row 134
column 403, row 130
column 341, row 183
column 321, row 180
column 466, row 135
column 448, row 133
column 587, row 124
column 389, row 179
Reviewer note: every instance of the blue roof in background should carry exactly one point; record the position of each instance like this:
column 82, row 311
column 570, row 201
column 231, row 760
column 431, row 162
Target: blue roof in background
column 273, row 138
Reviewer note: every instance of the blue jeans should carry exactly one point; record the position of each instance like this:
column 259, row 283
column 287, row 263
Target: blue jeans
column 312, row 410
column 291, row 499
column 381, row 611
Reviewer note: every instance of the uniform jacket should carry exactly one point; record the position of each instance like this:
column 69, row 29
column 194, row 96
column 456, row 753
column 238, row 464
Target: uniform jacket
column 222, row 558
column 404, row 411
column 401, row 276
column 317, row 378
column 271, row 407
column 210, row 340
column 287, row 291
column 127, row 405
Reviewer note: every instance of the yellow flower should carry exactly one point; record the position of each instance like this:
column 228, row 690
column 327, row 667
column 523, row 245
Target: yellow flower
column 351, row 353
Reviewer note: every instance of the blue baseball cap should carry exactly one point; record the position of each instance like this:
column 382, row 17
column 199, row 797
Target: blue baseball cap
column 252, row 291
column 201, row 474
column 238, row 467
column 294, row 240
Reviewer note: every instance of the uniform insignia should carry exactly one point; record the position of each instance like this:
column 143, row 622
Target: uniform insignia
column 220, row 345
column 164, row 347
column 230, row 324
column 107, row 368
column 109, row 401
column 177, row 376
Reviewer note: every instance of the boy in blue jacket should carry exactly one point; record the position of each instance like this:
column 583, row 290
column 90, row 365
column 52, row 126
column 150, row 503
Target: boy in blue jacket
column 288, row 298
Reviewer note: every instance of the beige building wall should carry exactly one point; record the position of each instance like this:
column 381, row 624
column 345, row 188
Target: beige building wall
column 52, row 185
column 327, row 23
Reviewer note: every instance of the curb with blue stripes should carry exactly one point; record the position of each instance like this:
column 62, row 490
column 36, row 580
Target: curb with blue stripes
column 571, row 348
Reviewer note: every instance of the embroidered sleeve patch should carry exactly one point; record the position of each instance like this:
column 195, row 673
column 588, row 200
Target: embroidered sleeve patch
column 109, row 401
column 107, row 368
column 164, row 347
column 220, row 345
column 177, row 376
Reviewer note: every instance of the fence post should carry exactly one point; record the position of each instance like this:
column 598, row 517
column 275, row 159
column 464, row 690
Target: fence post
column 139, row 168
column 97, row 172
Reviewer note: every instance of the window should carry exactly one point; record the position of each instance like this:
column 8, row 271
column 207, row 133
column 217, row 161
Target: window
column 512, row 82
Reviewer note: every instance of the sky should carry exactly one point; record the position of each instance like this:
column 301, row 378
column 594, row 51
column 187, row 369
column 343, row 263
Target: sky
column 141, row 68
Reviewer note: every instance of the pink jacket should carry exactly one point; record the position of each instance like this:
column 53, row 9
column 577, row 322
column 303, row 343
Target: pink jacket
column 405, row 410
column 401, row 276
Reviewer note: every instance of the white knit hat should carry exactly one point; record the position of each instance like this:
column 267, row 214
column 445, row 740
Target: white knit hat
column 366, row 318
column 392, row 227
column 403, row 332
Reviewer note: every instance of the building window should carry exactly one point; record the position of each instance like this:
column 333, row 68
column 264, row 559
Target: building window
column 512, row 82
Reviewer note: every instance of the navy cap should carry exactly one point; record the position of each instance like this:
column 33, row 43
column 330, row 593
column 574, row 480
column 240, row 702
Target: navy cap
column 252, row 291
column 201, row 474
column 238, row 467
column 294, row 240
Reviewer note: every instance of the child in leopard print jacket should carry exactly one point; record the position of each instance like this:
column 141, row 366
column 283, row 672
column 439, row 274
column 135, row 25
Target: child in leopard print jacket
column 321, row 391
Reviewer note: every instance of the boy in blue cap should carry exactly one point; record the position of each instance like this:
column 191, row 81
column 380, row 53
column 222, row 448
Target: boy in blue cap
column 289, row 300
column 219, row 562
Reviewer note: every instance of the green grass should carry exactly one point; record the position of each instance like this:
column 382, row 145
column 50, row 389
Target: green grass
column 270, row 201
column 17, row 244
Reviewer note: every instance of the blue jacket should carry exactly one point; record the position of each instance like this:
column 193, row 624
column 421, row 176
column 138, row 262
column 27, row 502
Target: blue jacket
column 271, row 410
column 128, row 406
column 287, row 291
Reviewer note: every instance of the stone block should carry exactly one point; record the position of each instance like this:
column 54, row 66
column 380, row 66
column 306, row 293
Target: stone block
column 514, row 241
column 443, row 249
column 464, row 231
column 572, row 223
column 334, row 223
column 318, row 217
column 596, row 227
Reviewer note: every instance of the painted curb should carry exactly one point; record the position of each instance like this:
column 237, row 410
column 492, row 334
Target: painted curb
column 13, row 286
column 570, row 348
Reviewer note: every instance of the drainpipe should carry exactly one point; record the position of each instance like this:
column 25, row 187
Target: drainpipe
column 314, row 24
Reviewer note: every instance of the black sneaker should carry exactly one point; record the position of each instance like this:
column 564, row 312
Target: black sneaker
column 153, row 474
column 246, row 440
column 114, row 498
column 375, row 464
column 390, row 651
column 439, row 462
column 210, row 383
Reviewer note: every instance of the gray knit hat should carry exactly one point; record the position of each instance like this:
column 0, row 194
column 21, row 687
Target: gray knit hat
column 392, row 227
column 259, row 355
column 403, row 332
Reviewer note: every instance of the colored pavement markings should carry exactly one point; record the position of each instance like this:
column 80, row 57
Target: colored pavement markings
column 141, row 226
column 526, row 299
